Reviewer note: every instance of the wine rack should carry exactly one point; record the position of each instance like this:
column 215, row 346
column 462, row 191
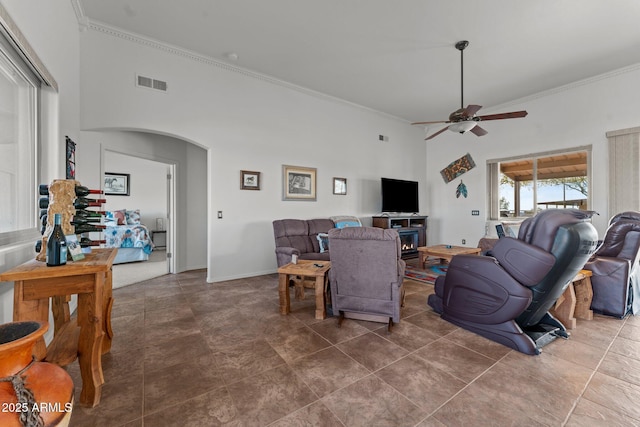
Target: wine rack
column 60, row 198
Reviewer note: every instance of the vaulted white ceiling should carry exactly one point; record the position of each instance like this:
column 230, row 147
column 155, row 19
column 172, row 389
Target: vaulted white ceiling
column 398, row 56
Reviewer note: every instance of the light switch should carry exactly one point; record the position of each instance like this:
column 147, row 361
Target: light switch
column 219, row 214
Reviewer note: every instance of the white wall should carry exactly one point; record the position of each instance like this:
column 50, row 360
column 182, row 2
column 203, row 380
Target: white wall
column 246, row 123
column 51, row 28
column 577, row 115
column 147, row 185
column 92, row 156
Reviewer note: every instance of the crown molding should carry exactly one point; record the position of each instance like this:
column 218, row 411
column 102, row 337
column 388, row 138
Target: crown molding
column 569, row 86
column 92, row 25
column 88, row 24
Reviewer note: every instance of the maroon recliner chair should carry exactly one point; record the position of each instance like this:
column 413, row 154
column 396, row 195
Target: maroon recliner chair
column 506, row 297
column 615, row 279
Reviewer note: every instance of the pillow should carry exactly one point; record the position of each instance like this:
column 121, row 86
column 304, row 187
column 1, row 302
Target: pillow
column 109, row 219
column 346, row 221
column 511, row 229
column 323, row 241
column 115, row 217
column 133, row 217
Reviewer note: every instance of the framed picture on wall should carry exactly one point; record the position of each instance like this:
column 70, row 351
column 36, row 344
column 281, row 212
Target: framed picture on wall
column 116, row 184
column 340, row 186
column 71, row 158
column 299, row 183
column 249, row 180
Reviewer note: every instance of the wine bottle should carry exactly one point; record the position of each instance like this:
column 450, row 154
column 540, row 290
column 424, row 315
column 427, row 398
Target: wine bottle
column 79, row 203
column 89, row 228
column 57, row 244
column 82, row 213
column 81, row 190
column 78, row 220
column 89, row 202
column 85, row 241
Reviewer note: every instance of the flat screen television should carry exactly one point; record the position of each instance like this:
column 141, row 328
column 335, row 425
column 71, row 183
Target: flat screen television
column 399, row 196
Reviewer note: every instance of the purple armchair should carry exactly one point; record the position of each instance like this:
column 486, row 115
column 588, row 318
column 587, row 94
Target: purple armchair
column 506, row 297
column 366, row 274
column 615, row 279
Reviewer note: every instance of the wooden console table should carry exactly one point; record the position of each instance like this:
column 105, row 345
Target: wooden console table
column 90, row 279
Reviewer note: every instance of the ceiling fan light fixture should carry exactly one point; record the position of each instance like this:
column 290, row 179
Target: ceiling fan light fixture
column 462, row 127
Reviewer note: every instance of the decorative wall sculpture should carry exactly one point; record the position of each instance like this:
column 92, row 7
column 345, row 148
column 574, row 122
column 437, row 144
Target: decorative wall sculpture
column 457, row 168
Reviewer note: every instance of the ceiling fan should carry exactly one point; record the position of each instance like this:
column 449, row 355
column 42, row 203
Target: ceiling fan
column 465, row 119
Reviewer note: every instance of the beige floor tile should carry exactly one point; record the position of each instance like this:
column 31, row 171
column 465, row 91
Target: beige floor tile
column 328, row 370
column 621, row 367
column 372, row 351
column 407, row 335
column 316, row 414
column 372, row 402
column 617, row 395
column 269, row 396
column 458, row 361
column 422, row 383
column 590, row 414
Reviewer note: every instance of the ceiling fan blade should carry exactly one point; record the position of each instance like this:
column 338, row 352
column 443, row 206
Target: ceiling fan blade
column 478, row 131
column 471, row 110
column 500, row 116
column 437, row 133
column 431, row 123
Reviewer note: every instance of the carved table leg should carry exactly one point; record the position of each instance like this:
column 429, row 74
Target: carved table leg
column 565, row 308
column 320, row 308
column 90, row 346
column 60, row 309
column 106, row 312
column 283, row 291
column 30, row 310
column 584, row 295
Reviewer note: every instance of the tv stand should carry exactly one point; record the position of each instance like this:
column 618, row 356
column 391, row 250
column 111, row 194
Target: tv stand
column 404, row 225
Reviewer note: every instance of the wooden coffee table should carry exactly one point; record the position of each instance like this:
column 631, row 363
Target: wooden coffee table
column 444, row 252
column 304, row 268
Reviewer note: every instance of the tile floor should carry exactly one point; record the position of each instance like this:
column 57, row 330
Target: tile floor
column 188, row 353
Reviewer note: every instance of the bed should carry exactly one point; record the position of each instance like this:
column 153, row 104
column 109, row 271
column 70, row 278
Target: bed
column 125, row 232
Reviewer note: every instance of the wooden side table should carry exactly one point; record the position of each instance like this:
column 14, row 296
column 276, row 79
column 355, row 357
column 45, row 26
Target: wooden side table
column 305, row 268
column 90, row 279
column 159, row 243
column 575, row 302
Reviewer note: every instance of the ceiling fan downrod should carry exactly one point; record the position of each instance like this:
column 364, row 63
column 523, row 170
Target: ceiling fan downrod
column 461, row 45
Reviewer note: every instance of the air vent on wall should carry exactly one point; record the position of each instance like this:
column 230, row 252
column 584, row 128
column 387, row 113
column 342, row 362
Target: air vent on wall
column 151, row 83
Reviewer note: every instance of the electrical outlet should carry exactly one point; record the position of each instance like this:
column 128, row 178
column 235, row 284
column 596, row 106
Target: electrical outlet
column 475, row 213
column 464, row 241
